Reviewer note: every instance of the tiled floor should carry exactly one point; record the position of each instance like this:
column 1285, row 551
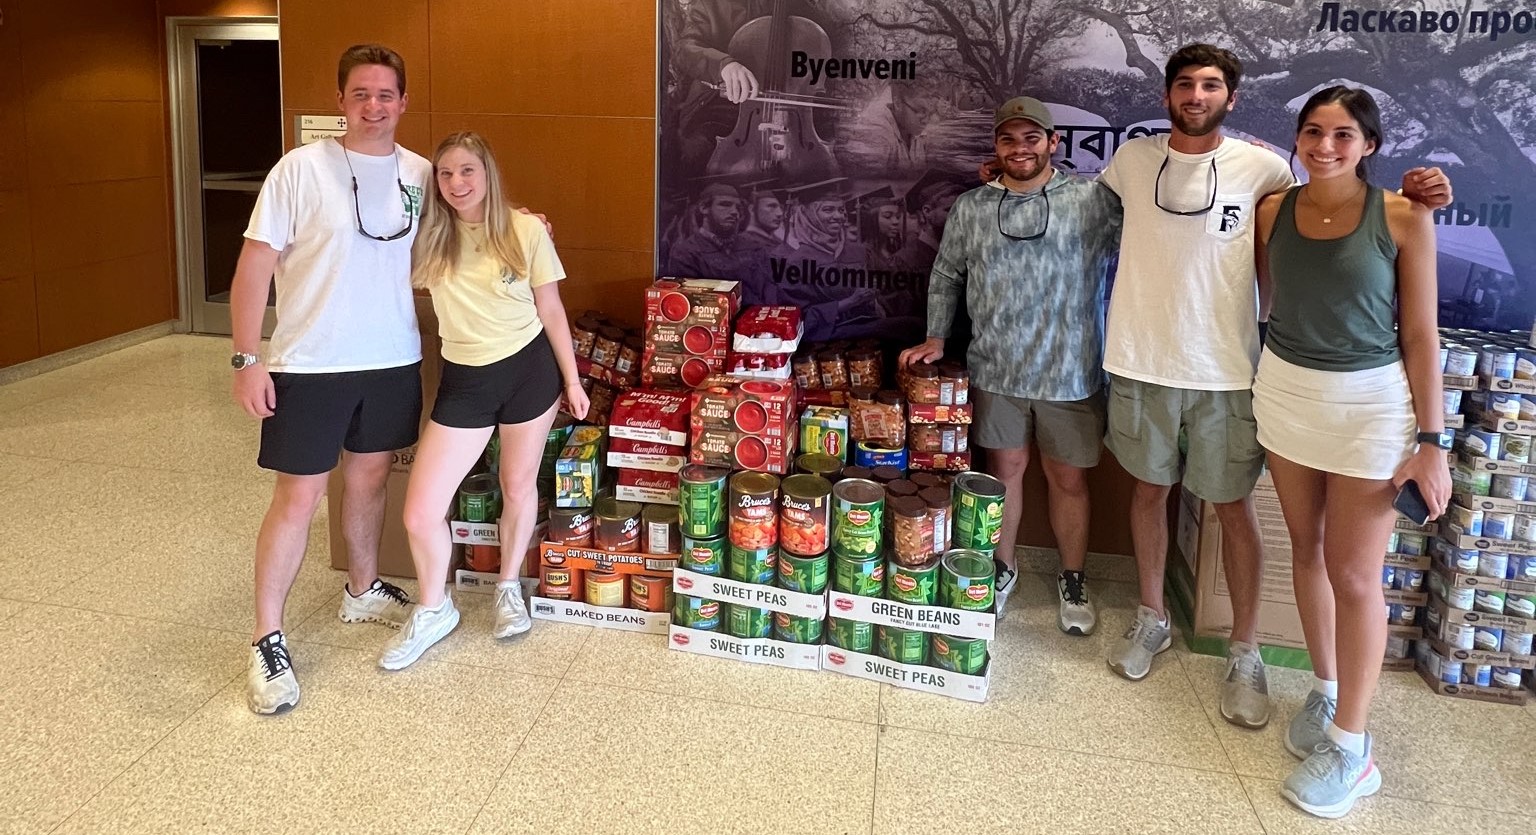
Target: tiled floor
column 129, row 499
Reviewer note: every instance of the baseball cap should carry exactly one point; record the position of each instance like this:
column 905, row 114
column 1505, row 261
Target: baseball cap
column 1023, row 107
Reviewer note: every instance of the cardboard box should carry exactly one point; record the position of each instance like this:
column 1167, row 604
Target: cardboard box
column 646, row 455
column 653, row 416
column 757, row 595
column 1499, row 467
column 1483, row 543
column 692, row 301
column 742, row 451
column 1477, row 656
column 1452, row 381
column 1468, row 691
column 586, row 559
column 751, row 650
column 940, row 620
column 1487, row 503
column 646, row 486
column 481, row 582
column 1417, row 562
column 924, row 679
column 1505, row 384
column 1445, row 614
column 603, row 617
column 757, row 407
column 579, row 468
column 825, row 429
column 394, row 547
column 694, row 340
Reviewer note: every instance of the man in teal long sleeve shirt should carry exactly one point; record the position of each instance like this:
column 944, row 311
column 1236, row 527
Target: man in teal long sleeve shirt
column 1030, row 252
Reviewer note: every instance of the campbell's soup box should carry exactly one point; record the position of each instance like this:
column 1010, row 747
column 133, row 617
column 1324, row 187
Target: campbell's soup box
column 692, row 301
column 755, row 407
column 743, row 451
column 649, row 415
column 646, row 486
column 665, row 369
column 646, row 455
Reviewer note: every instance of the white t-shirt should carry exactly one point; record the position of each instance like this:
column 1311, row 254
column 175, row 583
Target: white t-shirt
column 343, row 300
column 485, row 313
column 1184, row 309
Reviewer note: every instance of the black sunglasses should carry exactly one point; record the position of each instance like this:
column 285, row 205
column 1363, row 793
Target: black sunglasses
column 1026, row 197
column 1157, row 187
column 358, row 209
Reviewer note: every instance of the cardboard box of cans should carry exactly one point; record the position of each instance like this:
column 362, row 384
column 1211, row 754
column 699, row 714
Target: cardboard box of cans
column 688, row 330
column 750, row 425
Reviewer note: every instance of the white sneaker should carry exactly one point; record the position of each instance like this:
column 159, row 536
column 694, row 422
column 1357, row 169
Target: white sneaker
column 1003, row 584
column 1077, row 615
column 422, row 629
column 511, row 612
column 382, row 602
column 270, row 685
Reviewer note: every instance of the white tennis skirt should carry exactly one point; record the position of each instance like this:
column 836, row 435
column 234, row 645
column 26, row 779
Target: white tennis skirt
column 1354, row 423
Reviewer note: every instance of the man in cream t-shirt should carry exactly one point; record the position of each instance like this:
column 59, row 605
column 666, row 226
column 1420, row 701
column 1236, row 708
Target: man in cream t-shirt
column 1181, row 346
column 333, row 225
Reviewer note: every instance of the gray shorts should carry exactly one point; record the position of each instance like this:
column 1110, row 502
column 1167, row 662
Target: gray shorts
column 1223, row 458
column 1070, row 431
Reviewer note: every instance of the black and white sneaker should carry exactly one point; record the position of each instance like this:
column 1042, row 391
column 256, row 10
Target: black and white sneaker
column 1078, row 615
column 1003, row 585
column 271, row 686
column 382, row 602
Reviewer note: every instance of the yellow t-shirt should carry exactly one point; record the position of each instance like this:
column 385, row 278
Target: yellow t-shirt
column 484, row 312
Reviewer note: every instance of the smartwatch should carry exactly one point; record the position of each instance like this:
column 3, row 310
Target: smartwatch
column 239, row 360
column 1443, row 440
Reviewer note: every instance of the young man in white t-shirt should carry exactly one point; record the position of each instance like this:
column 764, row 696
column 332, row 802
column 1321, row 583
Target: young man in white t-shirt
column 1182, row 342
column 334, row 223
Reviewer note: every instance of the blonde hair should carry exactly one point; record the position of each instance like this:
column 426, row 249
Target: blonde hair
column 435, row 255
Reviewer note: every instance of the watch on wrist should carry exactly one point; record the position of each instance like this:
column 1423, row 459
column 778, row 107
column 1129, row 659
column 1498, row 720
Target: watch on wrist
column 239, row 360
column 1443, row 440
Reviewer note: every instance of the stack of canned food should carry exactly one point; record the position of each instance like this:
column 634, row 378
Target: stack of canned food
column 619, row 527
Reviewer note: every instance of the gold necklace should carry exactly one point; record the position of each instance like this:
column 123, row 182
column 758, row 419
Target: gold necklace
column 1329, row 213
column 479, row 241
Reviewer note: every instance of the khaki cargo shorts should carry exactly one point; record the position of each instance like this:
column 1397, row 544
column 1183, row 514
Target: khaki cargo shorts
column 1070, row 431
column 1222, row 461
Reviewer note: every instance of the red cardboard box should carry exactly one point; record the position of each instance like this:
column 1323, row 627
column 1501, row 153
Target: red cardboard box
column 646, row 486
column 766, row 329
column 756, row 407
column 692, row 301
column 646, row 455
column 695, row 340
column 743, row 451
column 678, row 370
column 645, row 415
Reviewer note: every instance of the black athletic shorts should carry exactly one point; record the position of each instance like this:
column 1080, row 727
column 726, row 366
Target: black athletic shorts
column 513, row 390
column 319, row 415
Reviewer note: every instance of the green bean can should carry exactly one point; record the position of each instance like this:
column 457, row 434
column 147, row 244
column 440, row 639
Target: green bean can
column 480, row 499
column 967, row 656
column 977, row 504
column 692, row 612
column 701, row 501
column 918, row 585
column 852, row 635
column 966, row 580
column 752, row 565
column 904, row 646
column 804, row 574
column 748, row 621
column 703, row 556
column 865, row 578
column 795, row 629
column 858, row 512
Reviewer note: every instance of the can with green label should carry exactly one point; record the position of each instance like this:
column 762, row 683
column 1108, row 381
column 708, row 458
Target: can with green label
column 748, row 621
column 967, row 656
column 915, row 584
column 704, row 556
column 852, row 635
column 804, row 574
column 480, row 499
column 904, row 646
column 865, row 578
column 701, row 501
column 752, row 565
column 696, row 613
column 977, row 504
column 858, row 512
column 795, row 629
column 966, row 579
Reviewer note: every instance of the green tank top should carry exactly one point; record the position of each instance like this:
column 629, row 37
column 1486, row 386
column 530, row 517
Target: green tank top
column 1334, row 301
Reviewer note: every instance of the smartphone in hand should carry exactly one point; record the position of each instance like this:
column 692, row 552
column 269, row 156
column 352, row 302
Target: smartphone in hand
column 1410, row 502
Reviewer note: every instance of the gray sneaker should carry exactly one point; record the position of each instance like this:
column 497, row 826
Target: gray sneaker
column 382, row 602
column 1077, row 615
column 422, row 629
column 1245, row 695
column 1309, row 727
column 1131, row 656
column 270, row 686
column 1003, row 585
column 511, row 612
column 1329, row 782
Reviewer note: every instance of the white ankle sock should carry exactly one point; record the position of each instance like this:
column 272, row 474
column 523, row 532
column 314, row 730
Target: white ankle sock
column 1326, row 687
column 435, row 609
column 1353, row 743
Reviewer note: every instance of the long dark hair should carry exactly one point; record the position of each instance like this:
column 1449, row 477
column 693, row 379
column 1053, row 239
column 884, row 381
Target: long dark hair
column 1360, row 106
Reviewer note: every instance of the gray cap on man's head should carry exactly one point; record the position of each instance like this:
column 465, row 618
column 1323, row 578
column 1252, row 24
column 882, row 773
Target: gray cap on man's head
column 1024, row 107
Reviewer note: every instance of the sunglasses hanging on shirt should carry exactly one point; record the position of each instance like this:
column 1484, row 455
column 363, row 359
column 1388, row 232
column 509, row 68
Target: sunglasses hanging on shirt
column 1024, row 199
column 358, row 209
column 1157, row 191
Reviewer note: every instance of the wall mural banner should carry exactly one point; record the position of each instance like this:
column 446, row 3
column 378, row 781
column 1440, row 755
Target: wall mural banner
column 812, row 148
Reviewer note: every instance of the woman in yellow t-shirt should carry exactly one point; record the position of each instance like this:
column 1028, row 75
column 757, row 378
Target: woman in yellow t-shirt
column 507, row 355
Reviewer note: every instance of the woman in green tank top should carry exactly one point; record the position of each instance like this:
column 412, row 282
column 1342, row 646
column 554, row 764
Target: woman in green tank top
column 1349, row 408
